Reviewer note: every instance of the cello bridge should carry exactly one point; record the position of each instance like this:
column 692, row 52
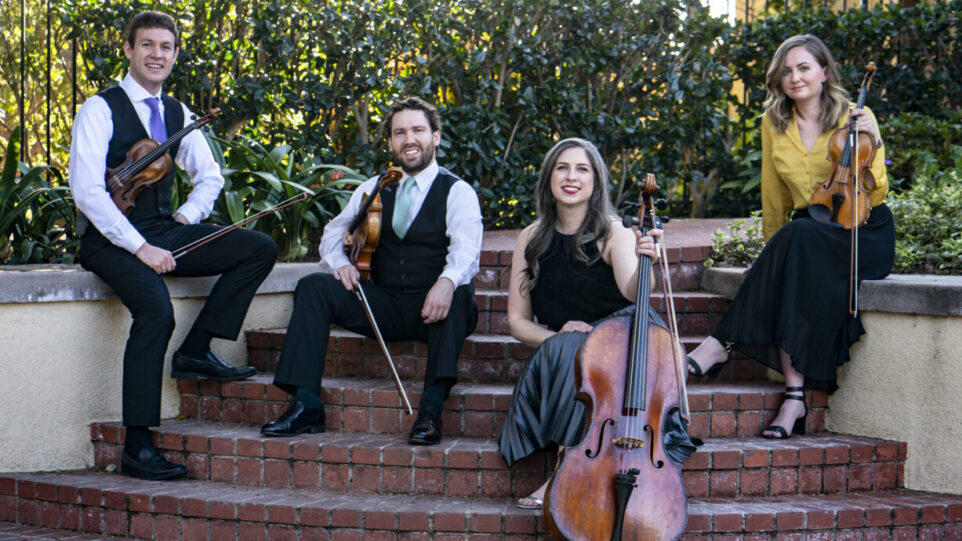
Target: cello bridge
column 629, row 443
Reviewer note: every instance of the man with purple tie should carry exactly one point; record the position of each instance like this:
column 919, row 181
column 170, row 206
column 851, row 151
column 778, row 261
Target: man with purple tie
column 132, row 252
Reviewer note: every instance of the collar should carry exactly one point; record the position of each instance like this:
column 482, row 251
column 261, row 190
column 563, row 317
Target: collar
column 426, row 176
column 135, row 91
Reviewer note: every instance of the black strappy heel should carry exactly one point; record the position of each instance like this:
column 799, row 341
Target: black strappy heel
column 715, row 370
column 798, row 427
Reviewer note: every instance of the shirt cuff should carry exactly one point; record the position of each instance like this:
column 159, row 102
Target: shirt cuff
column 452, row 275
column 132, row 242
column 190, row 212
column 336, row 261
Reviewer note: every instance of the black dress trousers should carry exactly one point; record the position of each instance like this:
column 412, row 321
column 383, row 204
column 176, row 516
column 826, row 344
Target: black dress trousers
column 243, row 258
column 320, row 301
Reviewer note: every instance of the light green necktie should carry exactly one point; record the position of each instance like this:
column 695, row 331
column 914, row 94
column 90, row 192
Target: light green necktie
column 402, row 208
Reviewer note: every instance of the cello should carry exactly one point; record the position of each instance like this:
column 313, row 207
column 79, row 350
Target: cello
column 843, row 198
column 619, row 483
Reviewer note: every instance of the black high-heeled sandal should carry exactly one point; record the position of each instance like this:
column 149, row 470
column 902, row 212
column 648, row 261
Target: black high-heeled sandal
column 798, row 427
column 715, row 370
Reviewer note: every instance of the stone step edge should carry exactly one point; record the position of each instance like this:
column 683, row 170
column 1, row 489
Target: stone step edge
column 28, row 498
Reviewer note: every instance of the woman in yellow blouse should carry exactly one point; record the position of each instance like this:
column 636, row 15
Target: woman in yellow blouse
column 791, row 312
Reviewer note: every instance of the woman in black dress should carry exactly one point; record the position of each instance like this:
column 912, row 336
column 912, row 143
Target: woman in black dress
column 791, row 312
column 575, row 264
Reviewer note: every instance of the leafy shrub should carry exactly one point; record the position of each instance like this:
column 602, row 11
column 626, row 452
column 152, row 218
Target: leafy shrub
column 928, row 219
column 912, row 140
column 36, row 215
column 256, row 179
column 740, row 247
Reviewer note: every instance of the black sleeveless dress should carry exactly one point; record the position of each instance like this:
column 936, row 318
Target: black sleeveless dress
column 543, row 410
column 795, row 296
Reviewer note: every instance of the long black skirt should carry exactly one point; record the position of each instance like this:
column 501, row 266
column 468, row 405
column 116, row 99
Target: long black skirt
column 795, row 296
column 543, row 408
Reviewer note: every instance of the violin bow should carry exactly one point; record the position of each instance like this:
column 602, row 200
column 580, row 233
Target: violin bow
column 391, row 176
column 191, row 246
column 359, row 292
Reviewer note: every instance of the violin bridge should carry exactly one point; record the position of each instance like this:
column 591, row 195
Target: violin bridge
column 629, row 443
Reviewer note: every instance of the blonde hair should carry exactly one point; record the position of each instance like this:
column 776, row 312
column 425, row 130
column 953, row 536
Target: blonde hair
column 834, row 99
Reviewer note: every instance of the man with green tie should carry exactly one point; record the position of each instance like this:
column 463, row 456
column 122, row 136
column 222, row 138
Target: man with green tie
column 421, row 287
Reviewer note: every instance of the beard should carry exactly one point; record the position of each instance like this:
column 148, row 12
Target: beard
column 416, row 164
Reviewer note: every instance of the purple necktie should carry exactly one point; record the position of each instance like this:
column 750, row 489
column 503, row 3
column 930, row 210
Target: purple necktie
column 157, row 130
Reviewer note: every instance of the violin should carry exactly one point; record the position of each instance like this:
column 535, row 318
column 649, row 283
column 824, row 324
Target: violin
column 619, row 482
column 364, row 232
column 147, row 163
column 360, row 242
column 843, row 197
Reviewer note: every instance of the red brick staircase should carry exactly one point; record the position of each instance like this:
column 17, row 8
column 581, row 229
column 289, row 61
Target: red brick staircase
column 362, row 481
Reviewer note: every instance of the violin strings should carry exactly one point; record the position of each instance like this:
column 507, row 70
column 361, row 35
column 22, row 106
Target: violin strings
column 158, row 151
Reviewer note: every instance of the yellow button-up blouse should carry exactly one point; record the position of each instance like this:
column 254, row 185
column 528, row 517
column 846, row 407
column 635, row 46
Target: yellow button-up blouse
column 790, row 173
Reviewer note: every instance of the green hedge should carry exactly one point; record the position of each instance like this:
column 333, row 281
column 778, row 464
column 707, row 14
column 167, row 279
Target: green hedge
column 648, row 81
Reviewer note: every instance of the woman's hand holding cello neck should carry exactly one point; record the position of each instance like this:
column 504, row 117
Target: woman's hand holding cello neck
column 647, row 244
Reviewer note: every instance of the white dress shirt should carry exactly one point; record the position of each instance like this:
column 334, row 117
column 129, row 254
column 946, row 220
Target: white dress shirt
column 463, row 223
column 92, row 130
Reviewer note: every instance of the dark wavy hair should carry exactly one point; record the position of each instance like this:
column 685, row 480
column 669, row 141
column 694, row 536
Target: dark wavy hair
column 596, row 224
column 152, row 19
column 410, row 103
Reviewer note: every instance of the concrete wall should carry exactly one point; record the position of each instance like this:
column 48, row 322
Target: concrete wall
column 904, row 382
column 62, row 336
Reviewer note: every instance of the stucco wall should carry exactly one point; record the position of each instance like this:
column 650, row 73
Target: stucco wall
column 904, row 380
column 904, row 384
column 61, row 354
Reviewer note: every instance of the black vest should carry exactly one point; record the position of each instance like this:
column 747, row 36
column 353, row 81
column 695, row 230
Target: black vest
column 128, row 130
column 416, row 261
column 151, row 202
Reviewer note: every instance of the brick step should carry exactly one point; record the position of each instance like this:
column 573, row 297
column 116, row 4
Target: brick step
column 10, row 531
column 104, row 503
column 473, row 468
column 474, row 410
column 485, row 358
column 697, row 313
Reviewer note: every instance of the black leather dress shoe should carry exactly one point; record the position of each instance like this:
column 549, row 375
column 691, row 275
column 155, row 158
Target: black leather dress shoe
column 427, row 428
column 297, row 419
column 148, row 464
column 210, row 367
